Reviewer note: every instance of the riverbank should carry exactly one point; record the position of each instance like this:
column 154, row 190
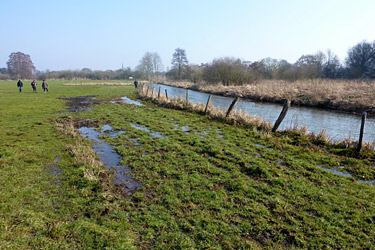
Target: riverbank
column 343, row 96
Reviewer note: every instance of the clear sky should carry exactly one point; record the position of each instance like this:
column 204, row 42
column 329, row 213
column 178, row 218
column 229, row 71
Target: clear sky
column 98, row 34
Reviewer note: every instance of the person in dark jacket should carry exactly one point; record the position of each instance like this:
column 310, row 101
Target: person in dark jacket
column 33, row 85
column 20, row 85
column 136, row 84
column 45, row 86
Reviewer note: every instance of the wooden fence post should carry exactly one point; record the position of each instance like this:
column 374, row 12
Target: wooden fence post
column 147, row 90
column 208, row 102
column 159, row 92
column 152, row 92
column 281, row 116
column 166, row 94
column 231, row 107
column 364, row 114
column 187, row 96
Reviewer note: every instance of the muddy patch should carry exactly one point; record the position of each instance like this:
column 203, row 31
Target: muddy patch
column 109, row 157
column 80, row 103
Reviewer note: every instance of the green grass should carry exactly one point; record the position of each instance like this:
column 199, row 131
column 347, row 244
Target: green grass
column 217, row 186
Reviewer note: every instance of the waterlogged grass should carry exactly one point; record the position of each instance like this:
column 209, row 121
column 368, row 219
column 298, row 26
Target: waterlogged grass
column 205, row 184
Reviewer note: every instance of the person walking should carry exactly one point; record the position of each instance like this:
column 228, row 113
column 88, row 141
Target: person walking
column 136, row 84
column 45, row 86
column 20, row 85
column 33, row 85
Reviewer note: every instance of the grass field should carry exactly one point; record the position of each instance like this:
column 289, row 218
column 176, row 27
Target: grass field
column 206, row 184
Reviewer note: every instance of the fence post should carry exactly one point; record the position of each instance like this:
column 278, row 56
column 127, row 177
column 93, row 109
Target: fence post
column 152, row 92
column 147, row 90
column 159, row 92
column 231, row 107
column 282, row 115
column 187, row 96
column 166, row 94
column 364, row 114
column 208, row 102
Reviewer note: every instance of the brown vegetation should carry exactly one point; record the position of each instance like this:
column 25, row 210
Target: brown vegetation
column 348, row 96
column 98, row 83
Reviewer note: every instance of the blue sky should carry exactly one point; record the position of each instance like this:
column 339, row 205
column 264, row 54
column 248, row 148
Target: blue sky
column 102, row 35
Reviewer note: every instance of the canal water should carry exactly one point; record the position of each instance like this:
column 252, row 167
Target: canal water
column 338, row 126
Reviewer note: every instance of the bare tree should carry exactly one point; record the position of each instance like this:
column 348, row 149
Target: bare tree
column 361, row 60
column 20, row 65
column 156, row 64
column 145, row 66
column 179, row 61
column 150, row 65
column 332, row 65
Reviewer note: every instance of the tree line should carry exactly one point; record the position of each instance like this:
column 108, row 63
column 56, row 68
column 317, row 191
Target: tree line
column 359, row 64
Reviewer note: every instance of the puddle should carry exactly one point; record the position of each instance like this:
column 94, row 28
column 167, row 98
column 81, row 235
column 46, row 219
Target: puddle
column 139, row 127
column 135, row 141
column 221, row 137
column 110, row 132
column 201, row 134
column 158, row 135
column 153, row 134
column 54, row 171
column 185, row 128
column 348, row 175
column 110, row 158
column 127, row 100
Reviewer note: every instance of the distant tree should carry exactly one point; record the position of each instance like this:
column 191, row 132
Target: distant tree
column 3, row 71
column 332, row 66
column 361, row 60
column 20, row 65
column 145, row 66
column 86, row 70
column 267, row 67
column 150, row 65
column 228, row 71
column 156, row 64
column 179, row 61
column 310, row 66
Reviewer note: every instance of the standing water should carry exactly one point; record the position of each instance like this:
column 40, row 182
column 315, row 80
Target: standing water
column 338, row 126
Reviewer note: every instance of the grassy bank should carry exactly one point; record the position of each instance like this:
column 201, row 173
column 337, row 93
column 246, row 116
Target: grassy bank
column 346, row 96
column 205, row 183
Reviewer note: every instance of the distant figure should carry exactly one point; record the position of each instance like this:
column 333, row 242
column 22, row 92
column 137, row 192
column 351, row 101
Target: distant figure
column 45, row 86
column 20, row 85
column 33, row 85
column 136, row 84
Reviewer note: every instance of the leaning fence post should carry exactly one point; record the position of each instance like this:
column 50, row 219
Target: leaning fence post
column 364, row 114
column 166, row 94
column 147, row 90
column 231, row 107
column 187, row 96
column 159, row 92
column 208, row 102
column 282, row 115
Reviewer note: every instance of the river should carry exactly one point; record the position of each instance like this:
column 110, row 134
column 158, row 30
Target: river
column 338, row 126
